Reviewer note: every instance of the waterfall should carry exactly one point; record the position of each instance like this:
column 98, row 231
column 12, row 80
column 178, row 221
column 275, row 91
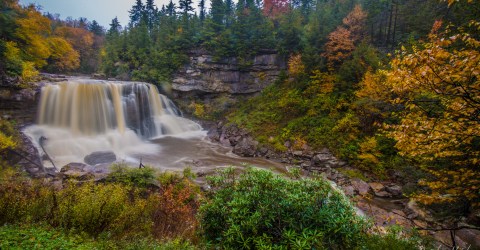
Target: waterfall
column 79, row 117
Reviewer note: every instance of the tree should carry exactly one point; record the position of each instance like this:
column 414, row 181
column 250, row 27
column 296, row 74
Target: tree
column 171, row 9
column 201, row 7
column 151, row 13
column 115, row 27
column 96, row 28
column 274, row 8
column 136, row 13
column 32, row 31
column 185, row 6
column 63, row 57
column 344, row 39
column 436, row 90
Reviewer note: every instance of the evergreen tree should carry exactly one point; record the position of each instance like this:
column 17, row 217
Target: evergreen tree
column 96, row 29
column 201, row 6
column 137, row 13
column 171, row 9
column 115, row 27
column 185, row 6
column 217, row 12
column 151, row 13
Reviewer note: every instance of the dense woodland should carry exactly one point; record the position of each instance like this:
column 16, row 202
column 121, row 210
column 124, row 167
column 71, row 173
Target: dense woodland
column 390, row 86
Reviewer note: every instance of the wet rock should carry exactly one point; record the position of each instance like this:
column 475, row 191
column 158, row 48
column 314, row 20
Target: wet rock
column 383, row 194
column 326, row 159
column 376, row 187
column 394, row 190
column 76, row 170
column 416, row 210
column 360, row 186
column 213, row 134
column 246, row 147
column 100, row 157
column 470, row 238
column 74, row 166
column 348, row 190
column 474, row 217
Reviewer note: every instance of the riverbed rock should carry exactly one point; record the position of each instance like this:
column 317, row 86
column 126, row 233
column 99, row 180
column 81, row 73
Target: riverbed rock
column 76, row 170
column 360, row 186
column 376, row 187
column 100, row 157
column 394, row 190
column 246, row 147
column 348, row 190
column 325, row 159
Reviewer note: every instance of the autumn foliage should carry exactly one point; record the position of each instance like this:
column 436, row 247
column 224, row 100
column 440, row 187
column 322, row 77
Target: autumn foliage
column 342, row 42
column 274, row 8
column 436, row 87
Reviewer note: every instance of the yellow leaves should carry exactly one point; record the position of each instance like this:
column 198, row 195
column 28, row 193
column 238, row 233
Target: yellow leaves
column 28, row 72
column 33, row 29
column 6, row 142
column 295, row 65
column 63, row 56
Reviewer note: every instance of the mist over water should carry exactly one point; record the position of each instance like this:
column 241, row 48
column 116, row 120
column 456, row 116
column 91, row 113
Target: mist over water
column 79, row 117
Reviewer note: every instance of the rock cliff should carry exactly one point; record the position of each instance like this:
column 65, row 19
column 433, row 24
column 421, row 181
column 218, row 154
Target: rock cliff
column 205, row 75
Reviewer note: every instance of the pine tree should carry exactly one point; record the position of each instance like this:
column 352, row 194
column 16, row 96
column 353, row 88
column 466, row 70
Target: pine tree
column 96, row 29
column 151, row 13
column 171, row 9
column 185, row 6
column 137, row 13
column 217, row 12
column 115, row 27
column 201, row 6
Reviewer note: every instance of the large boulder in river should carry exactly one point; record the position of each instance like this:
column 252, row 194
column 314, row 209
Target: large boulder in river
column 76, row 170
column 246, row 147
column 100, row 157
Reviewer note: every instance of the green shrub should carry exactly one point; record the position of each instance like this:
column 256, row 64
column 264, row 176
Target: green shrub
column 139, row 177
column 260, row 209
column 43, row 237
column 91, row 208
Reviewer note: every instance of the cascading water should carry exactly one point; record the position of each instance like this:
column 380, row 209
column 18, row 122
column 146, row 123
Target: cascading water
column 84, row 116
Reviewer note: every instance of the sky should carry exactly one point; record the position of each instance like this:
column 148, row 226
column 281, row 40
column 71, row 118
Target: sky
column 103, row 11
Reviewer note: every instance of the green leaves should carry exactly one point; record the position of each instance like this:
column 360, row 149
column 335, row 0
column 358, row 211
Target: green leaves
column 260, row 209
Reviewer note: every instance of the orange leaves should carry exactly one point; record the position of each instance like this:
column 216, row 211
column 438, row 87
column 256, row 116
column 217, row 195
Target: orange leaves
column 342, row 42
column 273, row 8
column 175, row 213
column 80, row 39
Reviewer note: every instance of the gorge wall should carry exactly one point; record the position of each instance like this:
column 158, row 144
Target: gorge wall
column 204, row 74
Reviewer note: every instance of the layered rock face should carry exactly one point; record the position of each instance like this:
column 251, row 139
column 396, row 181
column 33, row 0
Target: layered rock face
column 205, row 75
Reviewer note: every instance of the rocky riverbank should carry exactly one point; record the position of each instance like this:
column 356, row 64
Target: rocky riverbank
column 383, row 201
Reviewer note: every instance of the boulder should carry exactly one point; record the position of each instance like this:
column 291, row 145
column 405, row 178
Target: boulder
column 246, row 147
column 360, row 186
column 382, row 194
column 326, row 159
column 76, row 170
column 376, row 187
column 394, row 190
column 100, row 157
column 348, row 190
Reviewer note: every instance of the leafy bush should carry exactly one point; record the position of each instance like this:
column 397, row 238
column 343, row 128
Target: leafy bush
column 260, row 209
column 115, row 209
column 139, row 177
column 43, row 237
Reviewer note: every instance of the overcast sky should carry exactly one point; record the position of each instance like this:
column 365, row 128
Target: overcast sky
column 103, row 11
